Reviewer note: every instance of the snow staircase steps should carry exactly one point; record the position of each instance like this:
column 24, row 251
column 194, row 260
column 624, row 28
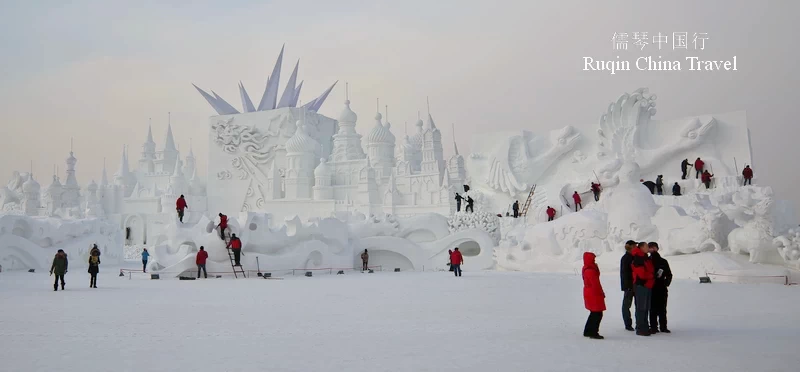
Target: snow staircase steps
column 528, row 201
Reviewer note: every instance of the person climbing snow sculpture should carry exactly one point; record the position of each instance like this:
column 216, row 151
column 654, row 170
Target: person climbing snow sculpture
column 698, row 167
column 515, row 208
column 364, row 261
column 94, row 266
column 459, row 198
column 596, row 191
column 577, row 199
column 551, row 213
column 707, row 179
column 658, row 302
column 455, row 262
column 685, row 168
column 470, row 205
column 676, row 189
column 223, row 224
column 200, row 261
column 145, row 257
column 660, row 185
column 593, row 296
column 747, row 174
column 235, row 245
column 180, row 205
column 59, row 267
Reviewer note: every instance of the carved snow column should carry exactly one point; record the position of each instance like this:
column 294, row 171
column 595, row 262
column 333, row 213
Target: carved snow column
column 323, row 190
column 71, row 195
column 275, row 184
column 380, row 147
column 301, row 152
column 30, row 190
column 93, row 208
column 147, row 162
column 391, row 197
column 457, row 170
column 416, row 141
column 53, row 196
column 368, row 186
column 432, row 152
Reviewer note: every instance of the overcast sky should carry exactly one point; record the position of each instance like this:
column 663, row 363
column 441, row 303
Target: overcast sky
column 97, row 70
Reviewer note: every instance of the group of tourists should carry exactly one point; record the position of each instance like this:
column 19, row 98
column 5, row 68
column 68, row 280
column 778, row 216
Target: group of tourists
column 456, row 260
column 644, row 280
column 60, row 267
column 470, row 203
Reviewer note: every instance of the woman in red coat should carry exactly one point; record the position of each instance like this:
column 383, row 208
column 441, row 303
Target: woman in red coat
column 593, row 296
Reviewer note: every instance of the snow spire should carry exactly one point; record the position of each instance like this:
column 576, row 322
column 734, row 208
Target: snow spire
column 289, row 91
column 247, row 104
column 169, row 143
column 150, row 130
column 270, row 96
column 122, row 174
column 455, row 145
column 104, row 178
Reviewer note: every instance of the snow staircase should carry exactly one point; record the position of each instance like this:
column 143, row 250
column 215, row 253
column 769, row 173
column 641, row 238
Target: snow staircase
column 240, row 269
column 527, row 202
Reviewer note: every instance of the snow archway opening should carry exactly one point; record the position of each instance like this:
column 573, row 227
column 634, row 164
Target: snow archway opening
column 470, row 248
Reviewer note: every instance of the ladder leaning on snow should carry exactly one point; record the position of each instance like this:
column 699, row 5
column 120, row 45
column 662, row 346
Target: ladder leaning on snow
column 233, row 262
column 528, row 201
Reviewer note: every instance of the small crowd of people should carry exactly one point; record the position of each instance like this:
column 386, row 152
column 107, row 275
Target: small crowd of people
column 644, row 279
column 60, row 267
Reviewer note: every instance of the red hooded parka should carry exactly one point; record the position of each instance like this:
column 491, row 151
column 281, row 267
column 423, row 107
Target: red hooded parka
column 593, row 295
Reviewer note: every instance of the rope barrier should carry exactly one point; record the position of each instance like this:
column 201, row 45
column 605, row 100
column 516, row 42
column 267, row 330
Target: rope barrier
column 249, row 271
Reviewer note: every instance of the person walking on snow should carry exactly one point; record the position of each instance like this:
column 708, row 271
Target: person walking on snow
column 223, row 224
column 59, row 267
column 455, row 262
column 676, row 189
column 577, row 199
column 658, row 303
column 660, row 184
column 643, row 281
column 698, row 167
column 235, row 245
column 364, row 261
column 596, row 191
column 707, row 179
column 470, row 206
column 685, row 168
column 200, row 261
column 94, row 266
column 551, row 213
column 449, row 262
column 747, row 174
column 459, row 198
column 180, row 205
column 626, row 282
column 515, row 208
column 145, row 257
column 593, row 296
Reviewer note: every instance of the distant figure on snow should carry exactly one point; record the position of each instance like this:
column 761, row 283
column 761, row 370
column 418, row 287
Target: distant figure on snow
column 676, row 189
column 94, row 266
column 455, row 262
column 59, row 267
column 577, row 199
column 470, row 206
column 145, row 257
column 658, row 301
column 459, row 198
column 223, row 224
column 650, row 186
column 364, row 261
column 596, row 191
column 660, row 185
column 698, row 167
column 449, row 262
column 747, row 174
column 707, row 179
column 551, row 213
column 685, row 168
column 515, row 208
column 235, row 245
column 180, row 205
column 593, row 296
column 200, row 261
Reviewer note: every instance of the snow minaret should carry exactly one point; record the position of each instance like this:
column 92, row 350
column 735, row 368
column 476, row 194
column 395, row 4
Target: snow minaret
column 30, row 189
column 415, row 150
column 147, row 162
column 301, row 154
column 167, row 158
column 191, row 162
column 346, row 142
column 432, row 152
column 455, row 165
column 380, row 147
column 177, row 182
column 323, row 174
column 71, row 195
column 52, row 199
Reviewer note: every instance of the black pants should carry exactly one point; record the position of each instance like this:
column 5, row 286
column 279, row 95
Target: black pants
column 683, row 177
column 592, row 327
column 516, row 213
column 699, row 173
column 642, row 299
column 144, row 266
column 222, row 233
column 658, row 309
column 627, row 301
column 578, row 205
column 659, row 190
column 237, row 253
column 469, row 208
column 747, row 181
column 596, row 196
column 364, row 266
column 180, row 215
column 456, row 269
column 202, row 267
column 708, row 184
column 458, row 206
column 93, row 280
column 59, row 277
column 550, row 218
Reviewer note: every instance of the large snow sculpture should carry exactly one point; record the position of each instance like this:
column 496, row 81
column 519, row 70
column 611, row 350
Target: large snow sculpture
column 751, row 211
column 630, row 208
column 788, row 246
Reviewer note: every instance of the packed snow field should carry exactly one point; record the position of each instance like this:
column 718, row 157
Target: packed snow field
column 409, row 321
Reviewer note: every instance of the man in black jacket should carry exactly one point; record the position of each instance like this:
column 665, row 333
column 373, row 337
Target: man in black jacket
column 626, row 281
column 658, row 302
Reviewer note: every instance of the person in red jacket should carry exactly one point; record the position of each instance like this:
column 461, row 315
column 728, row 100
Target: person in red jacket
column 202, row 256
column 577, row 199
column 747, row 174
column 698, row 167
column 593, row 296
column 455, row 261
column 180, row 205
column 235, row 245
column 643, row 281
column 706, row 177
column 223, row 224
column 596, row 191
column 551, row 213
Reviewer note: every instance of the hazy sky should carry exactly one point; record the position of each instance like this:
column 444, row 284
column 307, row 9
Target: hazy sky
column 97, row 70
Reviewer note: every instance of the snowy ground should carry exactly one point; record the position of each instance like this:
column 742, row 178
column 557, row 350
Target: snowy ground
column 484, row 321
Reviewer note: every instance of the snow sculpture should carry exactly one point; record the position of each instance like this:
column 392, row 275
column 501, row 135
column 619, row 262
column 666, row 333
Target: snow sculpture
column 788, row 246
column 751, row 211
column 630, row 208
column 479, row 220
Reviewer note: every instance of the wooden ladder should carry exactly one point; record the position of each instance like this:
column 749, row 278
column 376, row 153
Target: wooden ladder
column 528, row 201
column 233, row 262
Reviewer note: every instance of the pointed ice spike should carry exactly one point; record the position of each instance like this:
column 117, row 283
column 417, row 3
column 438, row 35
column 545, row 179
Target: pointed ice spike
column 225, row 105
column 455, row 145
column 271, row 91
column 288, row 92
column 247, row 104
column 321, row 99
column 150, row 134
column 296, row 95
column 169, row 142
column 104, row 178
column 211, row 100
